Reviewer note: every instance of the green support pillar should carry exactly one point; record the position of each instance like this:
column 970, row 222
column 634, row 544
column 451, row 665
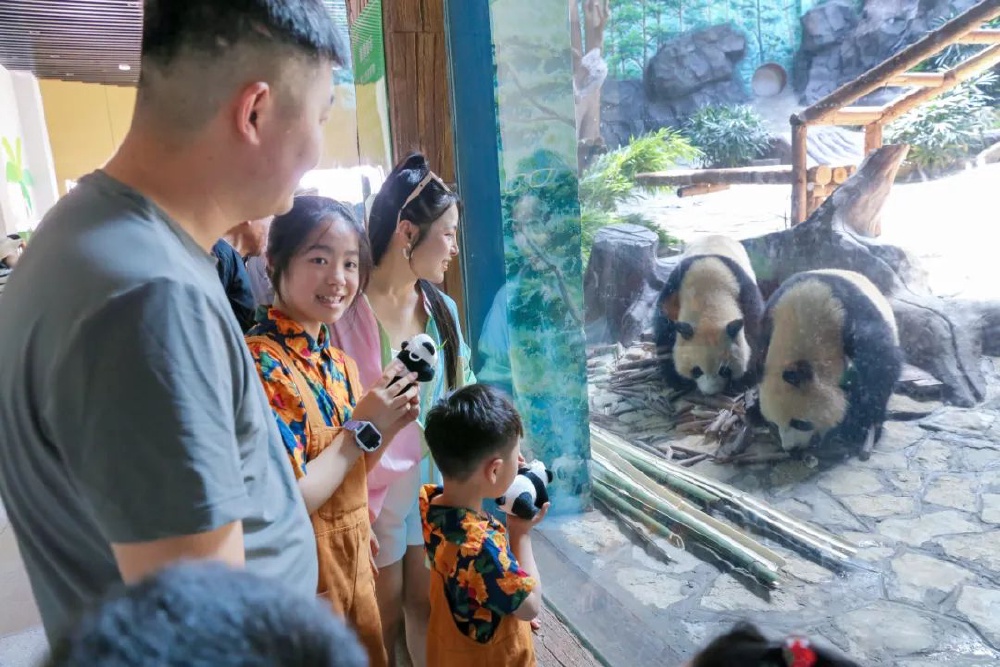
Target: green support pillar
column 531, row 340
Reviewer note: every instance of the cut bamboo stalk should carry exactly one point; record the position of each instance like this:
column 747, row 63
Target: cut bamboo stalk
column 760, row 561
column 774, row 519
column 953, row 77
column 634, row 518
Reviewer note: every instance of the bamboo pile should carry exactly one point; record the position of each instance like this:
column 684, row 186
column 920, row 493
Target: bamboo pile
column 660, row 498
column 632, row 401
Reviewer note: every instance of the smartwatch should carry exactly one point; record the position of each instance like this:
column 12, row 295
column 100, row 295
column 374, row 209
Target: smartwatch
column 366, row 436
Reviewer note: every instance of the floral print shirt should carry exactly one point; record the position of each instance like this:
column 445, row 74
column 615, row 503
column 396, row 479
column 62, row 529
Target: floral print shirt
column 482, row 579
column 325, row 368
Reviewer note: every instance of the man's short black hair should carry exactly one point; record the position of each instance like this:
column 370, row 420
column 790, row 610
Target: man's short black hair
column 469, row 426
column 212, row 27
column 205, row 614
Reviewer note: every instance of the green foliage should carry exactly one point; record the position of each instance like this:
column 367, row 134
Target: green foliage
column 728, row 136
column 610, row 181
column 946, row 129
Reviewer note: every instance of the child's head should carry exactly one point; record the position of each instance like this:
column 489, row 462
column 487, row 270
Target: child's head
column 474, row 435
column 745, row 646
column 205, row 613
column 318, row 258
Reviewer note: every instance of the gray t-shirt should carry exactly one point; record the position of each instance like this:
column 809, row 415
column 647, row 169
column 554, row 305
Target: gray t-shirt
column 130, row 408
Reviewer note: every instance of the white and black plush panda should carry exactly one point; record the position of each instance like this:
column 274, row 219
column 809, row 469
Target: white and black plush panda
column 708, row 315
column 419, row 355
column 830, row 360
column 529, row 491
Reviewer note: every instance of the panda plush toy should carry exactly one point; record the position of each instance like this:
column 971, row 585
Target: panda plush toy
column 419, row 355
column 528, row 493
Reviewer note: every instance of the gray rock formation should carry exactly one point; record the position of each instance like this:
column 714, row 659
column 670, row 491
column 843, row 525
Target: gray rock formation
column 839, row 42
column 693, row 70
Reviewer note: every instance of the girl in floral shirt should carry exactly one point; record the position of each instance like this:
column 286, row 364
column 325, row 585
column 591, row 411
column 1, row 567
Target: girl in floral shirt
column 333, row 430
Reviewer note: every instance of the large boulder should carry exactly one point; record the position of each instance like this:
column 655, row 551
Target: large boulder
column 693, row 70
column 688, row 63
column 839, row 43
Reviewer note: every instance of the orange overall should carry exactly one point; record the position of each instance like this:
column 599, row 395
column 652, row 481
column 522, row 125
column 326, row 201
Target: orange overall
column 510, row 646
column 341, row 524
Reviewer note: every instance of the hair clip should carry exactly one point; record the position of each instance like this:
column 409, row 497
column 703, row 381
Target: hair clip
column 799, row 653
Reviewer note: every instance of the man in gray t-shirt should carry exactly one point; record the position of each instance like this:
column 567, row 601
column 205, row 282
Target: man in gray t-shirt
column 135, row 429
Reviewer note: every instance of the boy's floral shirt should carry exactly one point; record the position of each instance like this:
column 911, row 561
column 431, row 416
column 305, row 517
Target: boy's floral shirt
column 482, row 579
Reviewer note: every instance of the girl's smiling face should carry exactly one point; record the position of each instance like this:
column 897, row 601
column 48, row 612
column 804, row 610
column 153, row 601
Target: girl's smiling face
column 322, row 278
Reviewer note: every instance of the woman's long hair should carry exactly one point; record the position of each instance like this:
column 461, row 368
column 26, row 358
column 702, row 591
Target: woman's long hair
column 423, row 211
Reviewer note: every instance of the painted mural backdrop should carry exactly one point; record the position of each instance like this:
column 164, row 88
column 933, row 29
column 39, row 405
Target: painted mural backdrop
column 637, row 29
column 542, row 301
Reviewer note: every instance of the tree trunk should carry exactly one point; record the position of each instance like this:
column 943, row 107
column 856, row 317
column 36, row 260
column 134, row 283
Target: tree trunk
column 935, row 336
column 860, row 201
column 589, row 72
column 621, row 283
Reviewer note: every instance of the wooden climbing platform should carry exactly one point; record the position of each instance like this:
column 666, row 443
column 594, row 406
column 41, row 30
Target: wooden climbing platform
column 812, row 183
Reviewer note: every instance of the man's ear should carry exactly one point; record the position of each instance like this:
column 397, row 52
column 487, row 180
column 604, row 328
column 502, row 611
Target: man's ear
column 253, row 107
column 493, row 470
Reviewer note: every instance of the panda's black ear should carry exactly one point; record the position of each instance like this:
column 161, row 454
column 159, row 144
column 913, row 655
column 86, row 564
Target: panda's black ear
column 405, row 344
column 800, row 373
column 733, row 328
column 685, row 330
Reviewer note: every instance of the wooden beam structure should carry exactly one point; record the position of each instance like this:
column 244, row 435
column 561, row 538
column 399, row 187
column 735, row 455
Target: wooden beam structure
column 835, row 109
column 931, row 43
column 980, row 62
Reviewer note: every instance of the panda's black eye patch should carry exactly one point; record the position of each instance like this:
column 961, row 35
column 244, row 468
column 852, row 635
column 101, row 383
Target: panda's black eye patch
column 696, row 372
column 725, row 372
column 800, row 425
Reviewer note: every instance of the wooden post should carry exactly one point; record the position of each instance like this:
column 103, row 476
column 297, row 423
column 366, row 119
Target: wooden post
column 800, row 207
column 873, row 137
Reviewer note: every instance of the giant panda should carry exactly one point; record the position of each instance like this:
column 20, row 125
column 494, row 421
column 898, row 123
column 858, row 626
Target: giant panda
column 830, row 359
column 707, row 315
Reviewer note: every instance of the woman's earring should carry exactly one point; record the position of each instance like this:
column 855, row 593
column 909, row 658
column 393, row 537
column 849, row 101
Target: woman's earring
column 407, row 251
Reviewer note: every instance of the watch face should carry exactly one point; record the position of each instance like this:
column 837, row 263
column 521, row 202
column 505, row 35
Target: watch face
column 368, row 437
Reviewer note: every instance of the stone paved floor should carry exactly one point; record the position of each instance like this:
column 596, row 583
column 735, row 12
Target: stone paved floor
column 925, row 512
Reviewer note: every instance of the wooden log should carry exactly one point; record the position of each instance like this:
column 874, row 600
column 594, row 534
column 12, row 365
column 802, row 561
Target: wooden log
column 980, row 62
column 900, row 63
column 932, row 336
column 851, row 116
column 780, row 175
column 986, row 36
column 821, row 174
column 800, row 135
column 822, row 191
column 873, row 138
column 701, row 189
column 918, row 79
column 840, row 175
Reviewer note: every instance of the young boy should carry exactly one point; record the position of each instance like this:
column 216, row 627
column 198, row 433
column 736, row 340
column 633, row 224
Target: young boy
column 485, row 587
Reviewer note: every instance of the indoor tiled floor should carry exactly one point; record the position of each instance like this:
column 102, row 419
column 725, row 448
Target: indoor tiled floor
column 22, row 643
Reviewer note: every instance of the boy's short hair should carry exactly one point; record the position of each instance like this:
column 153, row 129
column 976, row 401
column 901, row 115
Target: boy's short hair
column 205, row 613
column 469, row 426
